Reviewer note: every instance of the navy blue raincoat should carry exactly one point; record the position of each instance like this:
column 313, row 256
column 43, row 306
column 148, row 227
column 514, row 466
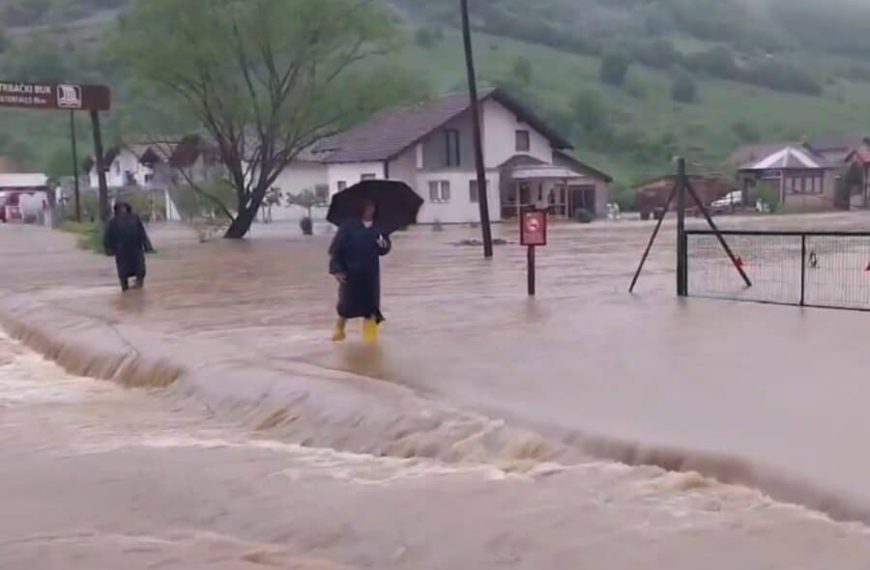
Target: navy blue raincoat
column 127, row 240
column 355, row 253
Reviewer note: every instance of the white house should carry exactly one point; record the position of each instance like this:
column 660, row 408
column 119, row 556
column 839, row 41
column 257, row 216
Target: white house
column 166, row 166
column 430, row 147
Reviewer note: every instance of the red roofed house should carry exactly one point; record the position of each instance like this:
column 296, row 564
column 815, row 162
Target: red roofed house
column 860, row 158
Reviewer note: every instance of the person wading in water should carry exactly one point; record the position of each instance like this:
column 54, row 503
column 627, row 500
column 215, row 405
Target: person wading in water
column 354, row 261
column 127, row 241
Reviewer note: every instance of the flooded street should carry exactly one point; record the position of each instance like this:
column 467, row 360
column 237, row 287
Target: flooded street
column 483, row 431
column 98, row 477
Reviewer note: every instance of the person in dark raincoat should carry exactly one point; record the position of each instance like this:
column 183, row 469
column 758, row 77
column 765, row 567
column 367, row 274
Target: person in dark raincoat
column 127, row 241
column 354, row 260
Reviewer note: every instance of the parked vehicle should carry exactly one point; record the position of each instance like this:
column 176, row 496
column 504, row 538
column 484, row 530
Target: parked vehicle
column 653, row 195
column 727, row 203
column 24, row 207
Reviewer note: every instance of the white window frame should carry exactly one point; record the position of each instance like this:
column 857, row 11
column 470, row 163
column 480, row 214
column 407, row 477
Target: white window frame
column 527, row 134
column 445, row 191
column 439, row 191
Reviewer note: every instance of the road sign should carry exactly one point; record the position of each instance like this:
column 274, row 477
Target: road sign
column 533, row 228
column 55, row 96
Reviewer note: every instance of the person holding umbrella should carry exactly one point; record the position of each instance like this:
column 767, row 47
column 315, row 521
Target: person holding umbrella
column 366, row 215
column 127, row 240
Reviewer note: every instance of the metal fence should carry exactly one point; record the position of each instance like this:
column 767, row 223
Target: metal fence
column 813, row 269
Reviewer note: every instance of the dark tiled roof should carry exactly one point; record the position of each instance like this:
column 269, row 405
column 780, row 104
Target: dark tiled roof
column 188, row 151
column 567, row 159
column 390, row 132
column 845, row 143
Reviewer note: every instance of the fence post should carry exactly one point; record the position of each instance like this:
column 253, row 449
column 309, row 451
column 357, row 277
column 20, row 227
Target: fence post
column 682, row 253
column 803, row 269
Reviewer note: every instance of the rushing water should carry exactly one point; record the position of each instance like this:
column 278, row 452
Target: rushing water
column 95, row 476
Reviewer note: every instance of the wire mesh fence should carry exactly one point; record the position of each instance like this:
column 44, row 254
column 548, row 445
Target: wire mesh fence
column 817, row 269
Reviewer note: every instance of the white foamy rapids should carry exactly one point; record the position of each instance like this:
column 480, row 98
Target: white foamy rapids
column 26, row 377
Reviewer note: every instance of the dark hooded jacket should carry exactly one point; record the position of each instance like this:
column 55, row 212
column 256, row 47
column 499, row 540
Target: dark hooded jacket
column 127, row 240
column 355, row 253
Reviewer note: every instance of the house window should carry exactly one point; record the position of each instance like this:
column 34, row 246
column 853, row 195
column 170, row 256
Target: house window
column 454, row 151
column 321, row 192
column 439, row 191
column 524, row 141
column 473, row 193
column 368, row 177
column 117, row 166
column 342, row 185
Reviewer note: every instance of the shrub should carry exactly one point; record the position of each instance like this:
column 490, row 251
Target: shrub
column 746, row 132
column 658, row 53
column 782, row 77
column 89, row 235
column 769, row 195
column 583, row 216
column 716, row 62
column 684, row 89
column 522, row 70
column 424, row 38
column 590, row 112
column 635, row 87
column 614, row 68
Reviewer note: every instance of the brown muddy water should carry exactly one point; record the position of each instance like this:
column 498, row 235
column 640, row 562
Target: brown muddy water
column 476, row 435
column 94, row 477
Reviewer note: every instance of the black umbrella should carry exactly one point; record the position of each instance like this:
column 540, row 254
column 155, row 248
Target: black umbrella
column 397, row 203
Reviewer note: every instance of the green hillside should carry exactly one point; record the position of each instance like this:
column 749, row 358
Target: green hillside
column 701, row 76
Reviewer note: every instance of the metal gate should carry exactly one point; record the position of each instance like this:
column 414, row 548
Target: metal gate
column 811, row 269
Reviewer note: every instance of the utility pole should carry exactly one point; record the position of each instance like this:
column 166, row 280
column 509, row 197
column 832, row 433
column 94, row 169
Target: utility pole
column 482, row 189
column 75, row 159
column 100, row 166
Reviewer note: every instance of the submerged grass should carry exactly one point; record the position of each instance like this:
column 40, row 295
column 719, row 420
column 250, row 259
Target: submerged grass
column 89, row 235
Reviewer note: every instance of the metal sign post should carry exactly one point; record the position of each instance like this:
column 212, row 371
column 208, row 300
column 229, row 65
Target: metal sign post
column 65, row 97
column 533, row 234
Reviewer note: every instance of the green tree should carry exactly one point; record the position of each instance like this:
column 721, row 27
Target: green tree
column 39, row 59
column 684, row 89
column 264, row 78
column 59, row 164
column 590, row 112
column 5, row 43
column 522, row 70
column 614, row 68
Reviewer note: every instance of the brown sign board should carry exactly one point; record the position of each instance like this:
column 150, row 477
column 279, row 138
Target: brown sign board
column 58, row 96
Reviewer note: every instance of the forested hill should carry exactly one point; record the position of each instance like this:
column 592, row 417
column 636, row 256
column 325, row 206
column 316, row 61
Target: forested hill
column 630, row 81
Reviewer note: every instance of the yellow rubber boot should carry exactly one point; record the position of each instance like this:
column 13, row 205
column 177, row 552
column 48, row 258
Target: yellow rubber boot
column 340, row 331
column 370, row 330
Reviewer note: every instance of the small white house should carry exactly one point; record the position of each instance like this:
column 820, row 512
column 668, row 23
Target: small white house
column 429, row 146
column 166, row 166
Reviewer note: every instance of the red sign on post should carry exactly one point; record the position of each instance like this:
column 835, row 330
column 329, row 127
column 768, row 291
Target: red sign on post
column 533, row 228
